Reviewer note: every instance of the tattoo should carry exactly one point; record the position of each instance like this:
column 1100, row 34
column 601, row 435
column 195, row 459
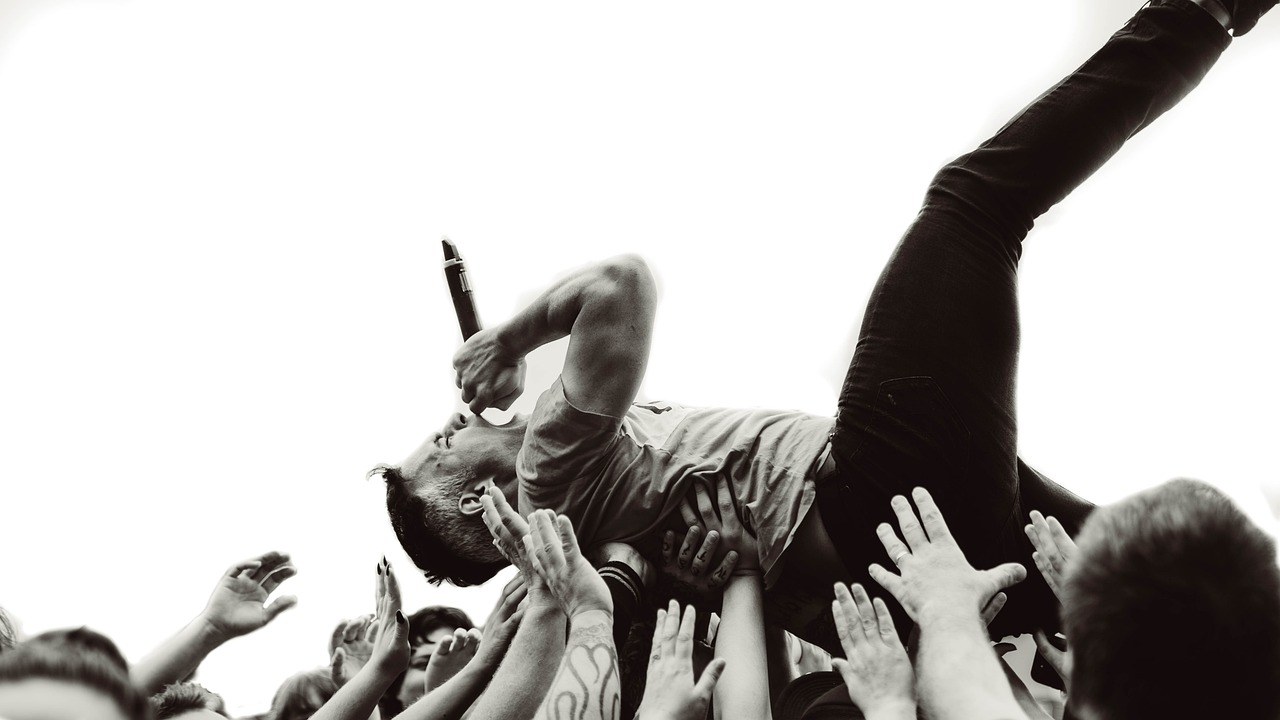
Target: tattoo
column 587, row 686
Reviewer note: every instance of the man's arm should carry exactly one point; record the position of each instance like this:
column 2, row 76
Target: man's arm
column 236, row 607
column 607, row 311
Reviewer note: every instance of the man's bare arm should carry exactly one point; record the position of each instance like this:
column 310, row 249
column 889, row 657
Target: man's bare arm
column 607, row 311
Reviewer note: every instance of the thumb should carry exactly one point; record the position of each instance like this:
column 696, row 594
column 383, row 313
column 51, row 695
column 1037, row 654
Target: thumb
column 280, row 605
column 1006, row 575
column 710, row 676
column 841, row 666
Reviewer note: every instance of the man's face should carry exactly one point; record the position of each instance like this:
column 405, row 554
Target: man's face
column 466, row 444
column 415, row 676
column 45, row 699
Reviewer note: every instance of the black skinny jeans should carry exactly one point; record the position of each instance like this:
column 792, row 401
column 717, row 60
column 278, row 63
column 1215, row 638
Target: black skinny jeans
column 929, row 397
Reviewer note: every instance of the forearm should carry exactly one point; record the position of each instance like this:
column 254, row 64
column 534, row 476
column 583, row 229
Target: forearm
column 959, row 675
column 175, row 658
column 521, row 681
column 585, row 294
column 357, row 699
column 743, row 690
column 587, row 679
column 452, row 699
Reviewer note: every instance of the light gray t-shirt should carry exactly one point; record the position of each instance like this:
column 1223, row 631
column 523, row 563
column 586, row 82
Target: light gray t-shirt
column 617, row 479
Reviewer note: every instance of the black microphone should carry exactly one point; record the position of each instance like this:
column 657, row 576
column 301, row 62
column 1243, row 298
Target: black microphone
column 455, row 273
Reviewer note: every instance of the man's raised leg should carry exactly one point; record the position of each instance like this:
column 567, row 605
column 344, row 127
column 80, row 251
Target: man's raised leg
column 929, row 398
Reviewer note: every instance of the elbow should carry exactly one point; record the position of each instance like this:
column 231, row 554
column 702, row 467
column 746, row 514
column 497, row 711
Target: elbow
column 628, row 278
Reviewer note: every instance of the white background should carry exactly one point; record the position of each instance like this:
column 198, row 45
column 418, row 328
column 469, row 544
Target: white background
column 221, row 287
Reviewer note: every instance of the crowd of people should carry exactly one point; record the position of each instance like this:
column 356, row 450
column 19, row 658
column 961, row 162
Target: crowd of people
column 675, row 562
column 1170, row 602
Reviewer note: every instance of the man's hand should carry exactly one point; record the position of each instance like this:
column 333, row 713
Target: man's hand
column 720, row 517
column 488, row 374
column 670, row 692
column 935, row 578
column 688, row 567
column 508, row 530
column 876, row 670
column 556, row 557
column 237, row 605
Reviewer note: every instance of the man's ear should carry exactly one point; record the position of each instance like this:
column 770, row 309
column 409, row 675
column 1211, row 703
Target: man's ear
column 469, row 501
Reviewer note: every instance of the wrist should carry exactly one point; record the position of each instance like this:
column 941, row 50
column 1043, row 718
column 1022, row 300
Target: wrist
column 591, row 616
column 208, row 632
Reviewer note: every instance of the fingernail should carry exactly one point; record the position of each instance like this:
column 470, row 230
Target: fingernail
column 379, row 569
column 399, row 616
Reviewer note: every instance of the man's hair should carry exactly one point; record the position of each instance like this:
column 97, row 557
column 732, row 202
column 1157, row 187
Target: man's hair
column 432, row 618
column 1172, row 609
column 82, row 657
column 302, row 694
column 440, row 541
column 181, row 698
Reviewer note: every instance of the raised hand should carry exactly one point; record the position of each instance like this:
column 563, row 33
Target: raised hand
column 237, row 604
column 935, row 575
column 502, row 624
column 508, row 530
column 489, row 374
column 558, row 560
column 390, row 628
column 1054, row 550
column 450, row 656
column 355, row 646
column 876, row 669
column 670, row 692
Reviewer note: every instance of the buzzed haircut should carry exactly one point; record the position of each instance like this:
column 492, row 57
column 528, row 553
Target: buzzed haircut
column 430, row 536
column 1172, row 609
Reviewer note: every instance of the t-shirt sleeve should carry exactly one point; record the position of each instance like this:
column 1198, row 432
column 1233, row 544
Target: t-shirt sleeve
column 562, row 443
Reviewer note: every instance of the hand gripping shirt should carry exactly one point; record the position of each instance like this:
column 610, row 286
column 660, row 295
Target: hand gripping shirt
column 618, row 479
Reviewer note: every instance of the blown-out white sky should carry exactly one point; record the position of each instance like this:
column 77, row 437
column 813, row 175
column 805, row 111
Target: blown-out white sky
column 223, row 302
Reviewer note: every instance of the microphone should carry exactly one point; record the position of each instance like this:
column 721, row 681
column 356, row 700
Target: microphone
column 455, row 273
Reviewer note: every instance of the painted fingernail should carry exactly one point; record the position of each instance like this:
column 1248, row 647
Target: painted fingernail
column 379, row 569
column 399, row 617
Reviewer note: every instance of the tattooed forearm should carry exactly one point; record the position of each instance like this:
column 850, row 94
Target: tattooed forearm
column 587, row 685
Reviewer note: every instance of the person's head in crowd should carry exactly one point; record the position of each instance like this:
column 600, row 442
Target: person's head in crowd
column 68, row 674
column 1172, row 610
column 8, row 631
column 302, row 695
column 188, row 701
column 433, row 498
column 427, row 628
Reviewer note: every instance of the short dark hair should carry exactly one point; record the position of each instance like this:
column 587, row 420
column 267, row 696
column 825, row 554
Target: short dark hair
column 415, row 522
column 181, row 698
column 79, row 656
column 432, row 618
column 1172, row 609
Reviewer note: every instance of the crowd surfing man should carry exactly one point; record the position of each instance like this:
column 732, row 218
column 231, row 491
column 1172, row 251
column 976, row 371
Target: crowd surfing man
column 928, row 400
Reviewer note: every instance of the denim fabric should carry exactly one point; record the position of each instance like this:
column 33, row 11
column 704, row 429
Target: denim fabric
column 929, row 397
